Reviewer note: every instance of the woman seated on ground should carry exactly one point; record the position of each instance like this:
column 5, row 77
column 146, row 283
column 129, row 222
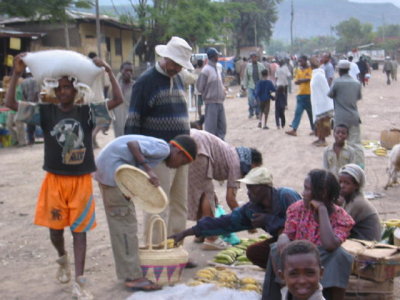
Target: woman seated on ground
column 216, row 160
column 316, row 219
column 368, row 225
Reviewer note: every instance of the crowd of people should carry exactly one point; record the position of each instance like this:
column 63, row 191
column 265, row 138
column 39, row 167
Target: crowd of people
column 152, row 132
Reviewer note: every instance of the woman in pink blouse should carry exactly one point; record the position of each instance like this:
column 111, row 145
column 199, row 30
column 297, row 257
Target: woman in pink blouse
column 317, row 219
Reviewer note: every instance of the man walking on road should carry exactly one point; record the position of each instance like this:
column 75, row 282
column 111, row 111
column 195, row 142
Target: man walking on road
column 251, row 76
column 302, row 79
column 212, row 89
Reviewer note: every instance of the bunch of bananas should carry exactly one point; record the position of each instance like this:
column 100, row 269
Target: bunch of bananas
column 237, row 254
column 380, row 151
column 392, row 223
column 222, row 277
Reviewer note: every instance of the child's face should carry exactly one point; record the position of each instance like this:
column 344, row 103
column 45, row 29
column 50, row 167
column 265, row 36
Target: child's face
column 347, row 185
column 302, row 274
column 307, row 192
column 65, row 92
column 340, row 134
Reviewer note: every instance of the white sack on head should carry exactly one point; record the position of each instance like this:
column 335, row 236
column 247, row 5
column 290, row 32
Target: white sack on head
column 58, row 63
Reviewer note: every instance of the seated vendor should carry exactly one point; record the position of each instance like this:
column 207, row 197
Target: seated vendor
column 316, row 219
column 368, row 225
column 266, row 209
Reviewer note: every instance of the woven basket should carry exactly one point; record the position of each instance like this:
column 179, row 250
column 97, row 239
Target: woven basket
column 134, row 183
column 163, row 266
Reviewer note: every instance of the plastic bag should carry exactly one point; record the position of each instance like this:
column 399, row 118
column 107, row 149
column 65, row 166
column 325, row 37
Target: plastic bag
column 230, row 238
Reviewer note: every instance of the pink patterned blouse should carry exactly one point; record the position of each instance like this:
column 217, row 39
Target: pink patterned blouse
column 301, row 225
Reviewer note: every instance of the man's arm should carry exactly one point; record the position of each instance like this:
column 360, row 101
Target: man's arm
column 231, row 198
column 117, row 97
column 19, row 67
column 201, row 82
column 140, row 159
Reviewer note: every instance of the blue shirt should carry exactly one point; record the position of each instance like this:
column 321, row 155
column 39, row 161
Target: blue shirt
column 240, row 218
column 263, row 90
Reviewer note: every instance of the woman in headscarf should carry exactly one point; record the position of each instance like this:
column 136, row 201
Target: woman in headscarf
column 368, row 225
column 216, row 160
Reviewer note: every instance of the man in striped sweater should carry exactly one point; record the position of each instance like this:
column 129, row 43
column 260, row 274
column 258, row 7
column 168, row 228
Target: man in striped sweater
column 158, row 108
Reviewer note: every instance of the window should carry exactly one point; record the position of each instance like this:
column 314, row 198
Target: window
column 118, row 46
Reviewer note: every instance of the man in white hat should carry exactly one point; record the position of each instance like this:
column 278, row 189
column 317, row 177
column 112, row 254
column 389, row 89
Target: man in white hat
column 158, row 108
column 345, row 92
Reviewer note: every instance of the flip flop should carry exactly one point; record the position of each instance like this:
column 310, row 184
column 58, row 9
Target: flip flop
column 142, row 284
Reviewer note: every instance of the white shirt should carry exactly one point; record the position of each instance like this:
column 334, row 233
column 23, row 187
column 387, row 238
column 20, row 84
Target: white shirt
column 354, row 70
column 320, row 102
column 282, row 74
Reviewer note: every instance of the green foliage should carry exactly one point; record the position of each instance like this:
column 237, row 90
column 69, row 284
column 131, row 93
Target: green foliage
column 36, row 9
column 253, row 20
column 314, row 45
column 195, row 20
column 352, row 33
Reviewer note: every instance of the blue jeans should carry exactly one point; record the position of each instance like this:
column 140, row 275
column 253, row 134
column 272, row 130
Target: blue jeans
column 303, row 104
column 254, row 108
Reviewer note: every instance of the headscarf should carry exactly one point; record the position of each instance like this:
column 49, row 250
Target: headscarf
column 245, row 159
column 356, row 172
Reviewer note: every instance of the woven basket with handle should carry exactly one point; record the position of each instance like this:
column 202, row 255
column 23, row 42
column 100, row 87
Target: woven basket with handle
column 163, row 266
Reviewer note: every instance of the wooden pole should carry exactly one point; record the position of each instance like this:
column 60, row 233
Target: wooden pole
column 98, row 34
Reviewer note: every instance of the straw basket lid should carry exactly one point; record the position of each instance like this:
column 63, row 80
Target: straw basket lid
column 134, row 183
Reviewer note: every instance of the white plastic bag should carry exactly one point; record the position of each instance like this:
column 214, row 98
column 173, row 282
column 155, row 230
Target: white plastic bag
column 50, row 65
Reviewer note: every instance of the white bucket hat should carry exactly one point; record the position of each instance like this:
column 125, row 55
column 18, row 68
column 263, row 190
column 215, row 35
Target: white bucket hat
column 178, row 50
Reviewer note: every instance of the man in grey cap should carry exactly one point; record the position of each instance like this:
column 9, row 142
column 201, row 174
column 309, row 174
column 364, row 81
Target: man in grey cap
column 251, row 76
column 158, row 108
column 212, row 89
column 345, row 92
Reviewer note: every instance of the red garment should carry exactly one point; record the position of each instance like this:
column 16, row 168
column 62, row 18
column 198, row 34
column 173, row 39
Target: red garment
column 301, row 225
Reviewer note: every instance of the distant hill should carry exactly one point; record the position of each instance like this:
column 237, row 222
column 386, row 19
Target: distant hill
column 315, row 17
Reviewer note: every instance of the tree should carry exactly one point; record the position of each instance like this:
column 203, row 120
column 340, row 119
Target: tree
column 253, row 21
column 52, row 10
column 37, row 9
column 352, row 34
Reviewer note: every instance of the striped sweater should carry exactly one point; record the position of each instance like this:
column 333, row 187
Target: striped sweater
column 158, row 107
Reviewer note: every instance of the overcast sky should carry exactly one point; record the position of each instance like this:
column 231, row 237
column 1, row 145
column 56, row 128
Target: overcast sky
column 119, row 2
column 396, row 2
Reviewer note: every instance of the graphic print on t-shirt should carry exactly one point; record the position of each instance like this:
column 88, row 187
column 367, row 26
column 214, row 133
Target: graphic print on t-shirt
column 69, row 135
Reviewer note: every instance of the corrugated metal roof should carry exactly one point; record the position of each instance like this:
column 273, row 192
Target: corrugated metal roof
column 10, row 32
column 76, row 15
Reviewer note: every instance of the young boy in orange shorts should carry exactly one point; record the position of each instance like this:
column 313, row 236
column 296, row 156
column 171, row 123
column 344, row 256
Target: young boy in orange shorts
column 66, row 195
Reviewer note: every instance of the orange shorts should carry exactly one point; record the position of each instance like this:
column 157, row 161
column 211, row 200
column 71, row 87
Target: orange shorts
column 66, row 201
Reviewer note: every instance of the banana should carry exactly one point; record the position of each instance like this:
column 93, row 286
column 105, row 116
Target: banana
column 248, row 280
column 392, row 223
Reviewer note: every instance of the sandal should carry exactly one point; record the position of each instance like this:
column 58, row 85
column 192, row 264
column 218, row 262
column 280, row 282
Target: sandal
column 63, row 273
column 218, row 244
column 141, row 284
column 79, row 291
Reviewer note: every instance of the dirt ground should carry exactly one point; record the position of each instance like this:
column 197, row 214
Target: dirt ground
column 27, row 259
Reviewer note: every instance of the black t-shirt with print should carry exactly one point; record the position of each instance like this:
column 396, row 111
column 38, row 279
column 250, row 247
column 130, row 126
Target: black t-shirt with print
column 67, row 140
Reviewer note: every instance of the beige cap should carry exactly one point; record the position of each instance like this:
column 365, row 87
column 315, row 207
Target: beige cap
column 343, row 64
column 259, row 175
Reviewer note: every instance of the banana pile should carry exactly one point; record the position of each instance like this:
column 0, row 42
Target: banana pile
column 392, row 223
column 380, row 151
column 237, row 254
column 222, row 277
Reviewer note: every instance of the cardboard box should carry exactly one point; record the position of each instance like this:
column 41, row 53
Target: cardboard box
column 378, row 262
column 359, row 285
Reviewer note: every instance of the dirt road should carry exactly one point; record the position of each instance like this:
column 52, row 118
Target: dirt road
column 27, row 259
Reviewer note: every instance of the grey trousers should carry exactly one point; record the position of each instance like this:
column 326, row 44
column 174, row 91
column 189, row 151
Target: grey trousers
column 215, row 120
column 175, row 184
column 122, row 224
column 354, row 141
